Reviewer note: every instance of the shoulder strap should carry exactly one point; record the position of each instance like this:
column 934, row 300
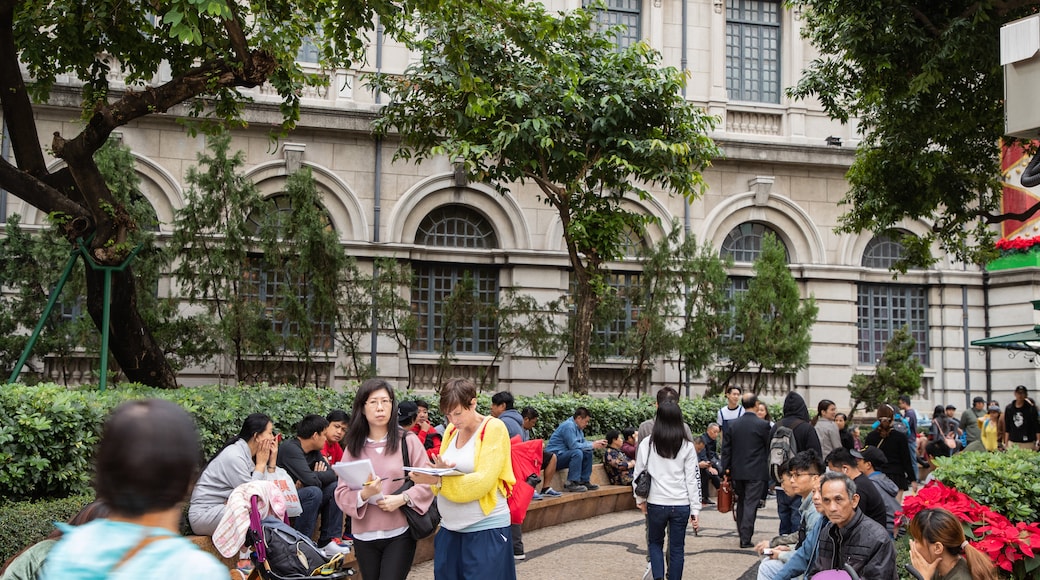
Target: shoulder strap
column 404, row 449
column 129, row 555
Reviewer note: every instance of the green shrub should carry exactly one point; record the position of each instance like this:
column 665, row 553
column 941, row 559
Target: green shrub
column 1006, row 482
column 48, row 432
column 25, row 523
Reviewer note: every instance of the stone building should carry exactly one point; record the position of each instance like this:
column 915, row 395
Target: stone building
column 783, row 172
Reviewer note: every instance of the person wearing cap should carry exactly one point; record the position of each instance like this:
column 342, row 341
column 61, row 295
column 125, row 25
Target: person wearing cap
column 894, row 444
column 870, row 462
column 1021, row 424
column 407, row 414
column 970, row 419
column 990, row 431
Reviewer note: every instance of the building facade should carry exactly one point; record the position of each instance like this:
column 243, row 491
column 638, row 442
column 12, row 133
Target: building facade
column 783, row 172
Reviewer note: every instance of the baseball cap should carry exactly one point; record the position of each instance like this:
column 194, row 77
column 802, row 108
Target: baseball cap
column 406, row 411
column 994, row 408
column 855, row 454
column 1021, row 389
column 978, row 400
column 875, row 456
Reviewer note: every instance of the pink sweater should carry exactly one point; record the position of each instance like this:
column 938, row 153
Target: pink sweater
column 368, row 517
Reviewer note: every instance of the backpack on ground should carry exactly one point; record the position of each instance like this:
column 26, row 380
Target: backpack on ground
column 781, row 448
column 279, row 552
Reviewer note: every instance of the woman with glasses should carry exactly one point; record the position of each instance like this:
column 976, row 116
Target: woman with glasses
column 382, row 543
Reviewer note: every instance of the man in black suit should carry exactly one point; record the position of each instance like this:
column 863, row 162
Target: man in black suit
column 745, row 458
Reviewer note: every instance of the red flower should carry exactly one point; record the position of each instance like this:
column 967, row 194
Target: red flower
column 1017, row 245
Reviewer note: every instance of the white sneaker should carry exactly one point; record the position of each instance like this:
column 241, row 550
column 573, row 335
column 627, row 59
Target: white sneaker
column 333, row 548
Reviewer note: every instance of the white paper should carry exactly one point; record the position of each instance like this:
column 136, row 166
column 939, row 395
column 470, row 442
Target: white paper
column 356, row 474
column 435, row 471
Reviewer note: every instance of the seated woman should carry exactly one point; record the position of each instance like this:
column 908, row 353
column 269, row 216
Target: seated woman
column 250, row 455
column 617, row 465
column 146, row 463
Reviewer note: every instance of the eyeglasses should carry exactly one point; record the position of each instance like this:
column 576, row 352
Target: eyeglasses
column 379, row 402
column 797, row 474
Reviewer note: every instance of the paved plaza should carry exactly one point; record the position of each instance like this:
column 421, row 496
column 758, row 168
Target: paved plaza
column 612, row 547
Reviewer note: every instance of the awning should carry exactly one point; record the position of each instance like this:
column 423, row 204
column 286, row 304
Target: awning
column 1027, row 340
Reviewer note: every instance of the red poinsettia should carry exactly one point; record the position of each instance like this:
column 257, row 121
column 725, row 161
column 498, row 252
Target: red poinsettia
column 992, row 533
column 1017, row 245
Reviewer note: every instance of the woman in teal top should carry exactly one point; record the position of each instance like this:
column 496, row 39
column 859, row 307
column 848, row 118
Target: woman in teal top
column 144, row 468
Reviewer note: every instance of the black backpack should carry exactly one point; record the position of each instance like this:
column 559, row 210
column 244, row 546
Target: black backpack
column 782, row 447
column 290, row 555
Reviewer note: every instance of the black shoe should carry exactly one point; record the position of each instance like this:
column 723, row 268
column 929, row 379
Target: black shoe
column 707, row 502
column 589, row 485
column 761, row 503
column 746, row 545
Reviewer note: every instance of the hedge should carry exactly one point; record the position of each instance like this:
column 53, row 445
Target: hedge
column 48, row 432
column 1006, row 482
column 26, row 523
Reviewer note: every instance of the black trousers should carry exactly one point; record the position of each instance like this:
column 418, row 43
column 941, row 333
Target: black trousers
column 749, row 493
column 706, row 476
column 386, row 559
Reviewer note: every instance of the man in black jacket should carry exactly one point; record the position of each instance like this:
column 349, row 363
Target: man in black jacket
column 316, row 483
column 796, row 418
column 870, row 501
column 851, row 540
column 745, row 458
column 708, row 461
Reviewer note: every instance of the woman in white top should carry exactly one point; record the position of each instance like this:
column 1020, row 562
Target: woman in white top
column 675, row 489
column 826, row 428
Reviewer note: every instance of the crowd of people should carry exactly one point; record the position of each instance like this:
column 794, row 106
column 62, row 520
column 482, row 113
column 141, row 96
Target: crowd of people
column 836, row 494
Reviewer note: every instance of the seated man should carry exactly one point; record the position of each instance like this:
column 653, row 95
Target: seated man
column 708, row 460
column 850, row 538
column 870, row 501
column 301, row 458
column 574, row 453
column 789, row 557
column 530, row 415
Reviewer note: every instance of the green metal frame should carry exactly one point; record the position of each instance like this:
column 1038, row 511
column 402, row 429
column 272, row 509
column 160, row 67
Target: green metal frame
column 79, row 250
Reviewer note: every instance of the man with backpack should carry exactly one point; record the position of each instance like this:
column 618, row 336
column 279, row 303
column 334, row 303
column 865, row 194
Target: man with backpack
column 791, row 435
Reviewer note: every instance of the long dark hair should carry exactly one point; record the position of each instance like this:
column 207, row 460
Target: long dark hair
column 669, row 431
column 358, row 430
column 255, row 423
column 822, row 406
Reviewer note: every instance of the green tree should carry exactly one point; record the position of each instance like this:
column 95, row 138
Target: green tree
column 771, row 322
column 519, row 95
column 897, row 373
column 392, row 280
column 210, row 50
column 923, row 83
column 524, row 325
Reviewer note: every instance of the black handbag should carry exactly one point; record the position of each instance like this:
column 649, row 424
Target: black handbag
column 643, row 484
column 419, row 525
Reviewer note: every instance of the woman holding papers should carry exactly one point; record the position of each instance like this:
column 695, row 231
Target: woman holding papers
column 383, row 546
column 474, row 541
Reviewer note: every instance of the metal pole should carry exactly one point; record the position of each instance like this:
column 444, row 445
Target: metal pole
column 43, row 317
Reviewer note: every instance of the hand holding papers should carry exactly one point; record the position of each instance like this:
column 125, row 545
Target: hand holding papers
column 358, row 474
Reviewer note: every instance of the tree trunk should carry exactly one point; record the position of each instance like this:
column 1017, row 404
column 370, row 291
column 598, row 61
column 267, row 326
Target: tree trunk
column 584, row 312
column 130, row 342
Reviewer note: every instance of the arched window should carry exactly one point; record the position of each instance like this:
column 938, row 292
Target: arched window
column 882, row 308
column 744, row 242
column 451, row 299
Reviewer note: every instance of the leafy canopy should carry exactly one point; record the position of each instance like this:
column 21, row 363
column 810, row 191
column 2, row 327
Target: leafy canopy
column 923, row 81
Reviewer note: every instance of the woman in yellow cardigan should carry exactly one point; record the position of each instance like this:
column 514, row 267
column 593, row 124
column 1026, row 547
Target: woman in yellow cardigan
column 474, row 539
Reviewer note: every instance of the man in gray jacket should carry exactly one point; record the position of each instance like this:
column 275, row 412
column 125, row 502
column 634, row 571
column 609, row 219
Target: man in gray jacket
column 851, row 540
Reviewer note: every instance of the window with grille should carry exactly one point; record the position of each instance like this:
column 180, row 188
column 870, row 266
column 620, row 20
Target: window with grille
column 455, row 226
column 272, row 286
column 620, row 12
column 611, row 334
column 735, row 286
column 744, row 242
column 884, row 308
column 884, row 251
column 753, row 50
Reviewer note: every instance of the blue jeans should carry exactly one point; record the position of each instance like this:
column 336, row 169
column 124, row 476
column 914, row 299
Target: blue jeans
column 787, row 508
column 673, row 518
column 913, row 459
column 577, row 462
column 317, row 500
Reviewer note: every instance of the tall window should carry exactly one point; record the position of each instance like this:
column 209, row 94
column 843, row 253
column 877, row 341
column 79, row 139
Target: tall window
column 455, row 226
column 609, row 336
column 623, row 12
column 753, row 50
column 884, row 308
column 271, row 286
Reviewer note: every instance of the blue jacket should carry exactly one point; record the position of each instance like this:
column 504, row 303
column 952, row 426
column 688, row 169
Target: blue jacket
column 568, row 436
column 799, row 561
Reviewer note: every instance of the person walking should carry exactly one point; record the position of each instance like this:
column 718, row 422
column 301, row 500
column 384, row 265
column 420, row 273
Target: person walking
column 796, row 418
column 745, row 458
column 1021, row 424
column 675, row 490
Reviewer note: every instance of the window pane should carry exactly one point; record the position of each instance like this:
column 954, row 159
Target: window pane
column 884, row 308
column 623, row 12
column 269, row 287
column 434, row 283
column 744, row 242
column 753, row 50
column 456, row 226
column 884, row 251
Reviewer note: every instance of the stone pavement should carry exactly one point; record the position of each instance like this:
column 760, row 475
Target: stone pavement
column 613, row 547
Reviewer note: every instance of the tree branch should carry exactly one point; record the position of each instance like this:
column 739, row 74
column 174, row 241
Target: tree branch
column 925, row 21
column 36, row 192
column 17, row 107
